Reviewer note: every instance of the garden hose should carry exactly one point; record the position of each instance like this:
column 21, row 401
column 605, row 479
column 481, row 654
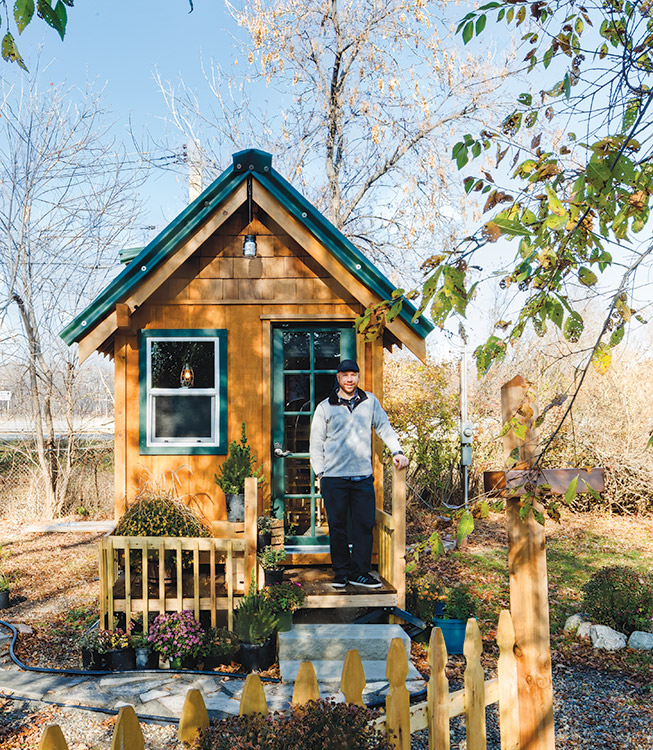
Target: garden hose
column 100, row 673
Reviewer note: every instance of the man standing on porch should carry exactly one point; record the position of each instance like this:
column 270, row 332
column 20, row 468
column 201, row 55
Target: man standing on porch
column 341, row 457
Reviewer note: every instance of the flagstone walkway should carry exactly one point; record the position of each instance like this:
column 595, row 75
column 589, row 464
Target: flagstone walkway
column 155, row 693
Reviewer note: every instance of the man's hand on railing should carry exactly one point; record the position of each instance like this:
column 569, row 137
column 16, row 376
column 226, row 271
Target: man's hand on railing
column 400, row 461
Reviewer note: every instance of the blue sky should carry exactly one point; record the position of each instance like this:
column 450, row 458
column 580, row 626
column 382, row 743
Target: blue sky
column 117, row 47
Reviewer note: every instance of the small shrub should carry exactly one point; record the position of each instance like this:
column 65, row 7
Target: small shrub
column 422, row 598
column 286, row 596
column 270, row 558
column 160, row 515
column 222, row 643
column 318, row 724
column 254, row 619
column 238, row 465
column 620, row 597
column 459, row 603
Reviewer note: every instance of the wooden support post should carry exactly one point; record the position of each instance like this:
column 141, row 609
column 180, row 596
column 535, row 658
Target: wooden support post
column 399, row 535
column 529, row 602
column 251, row 513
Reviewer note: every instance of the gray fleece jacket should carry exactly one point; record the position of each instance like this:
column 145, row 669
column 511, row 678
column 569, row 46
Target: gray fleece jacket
column 341, row 440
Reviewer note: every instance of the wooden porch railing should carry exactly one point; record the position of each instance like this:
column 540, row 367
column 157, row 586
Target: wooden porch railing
column 400, row 719
column 391, row 531
column 122, row 554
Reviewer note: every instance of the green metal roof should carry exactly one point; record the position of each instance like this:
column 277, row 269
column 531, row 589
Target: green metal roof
column 259, row 165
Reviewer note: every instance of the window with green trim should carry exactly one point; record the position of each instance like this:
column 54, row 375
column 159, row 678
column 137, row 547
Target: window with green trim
column 183, row 383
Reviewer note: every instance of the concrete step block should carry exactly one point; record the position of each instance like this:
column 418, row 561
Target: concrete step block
column 324, row 642
column 330, row 670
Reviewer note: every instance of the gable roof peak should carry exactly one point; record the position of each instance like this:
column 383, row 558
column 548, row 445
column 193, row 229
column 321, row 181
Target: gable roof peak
column 252, row 160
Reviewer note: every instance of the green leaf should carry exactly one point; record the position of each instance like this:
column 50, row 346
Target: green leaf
column 518, row 429
column 555, row 311
column 23, row 12
column 435, row 543
column 480, row 24
column 587, row 277
column 557, row 222
column 525, row 99
column 571, row 491
column 538, row 516
column 514, row 228
column 410, row 567
column 468, row 182
column 53, row 17
column 650, row 442
column 484, row 509
column 525, row 510
column 573, row 327
column 548, row 56
column 468, row 31
column 10, row 51
column 593, row 493
column 617, row 336
column 465, row 527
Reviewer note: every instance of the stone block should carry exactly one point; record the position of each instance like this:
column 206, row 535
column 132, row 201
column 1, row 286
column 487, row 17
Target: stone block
column 326, row 642
column 583, row 630
column 329, row 670
column 641, row 640
column 606, row 638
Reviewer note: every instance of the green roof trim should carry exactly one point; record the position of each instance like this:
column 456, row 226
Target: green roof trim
column 258, row 164
column 127, row 254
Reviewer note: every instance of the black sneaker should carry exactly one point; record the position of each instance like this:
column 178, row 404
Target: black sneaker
column 339, row 582
column 367, row 581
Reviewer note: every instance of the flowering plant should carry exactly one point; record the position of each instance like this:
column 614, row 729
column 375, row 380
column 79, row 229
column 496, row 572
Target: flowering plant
column 176, row 635
column 118, row 639
column 285, row 597
column 424, row 598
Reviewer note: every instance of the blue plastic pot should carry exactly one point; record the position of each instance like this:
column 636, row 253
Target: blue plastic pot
column 453, row 632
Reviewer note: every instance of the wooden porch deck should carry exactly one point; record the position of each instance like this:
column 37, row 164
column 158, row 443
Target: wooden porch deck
column 315, row 580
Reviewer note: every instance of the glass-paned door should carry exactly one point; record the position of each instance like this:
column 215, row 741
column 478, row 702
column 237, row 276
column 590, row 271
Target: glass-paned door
column 304, row 362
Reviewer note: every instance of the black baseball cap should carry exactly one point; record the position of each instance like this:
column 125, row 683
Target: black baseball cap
column 348, row 365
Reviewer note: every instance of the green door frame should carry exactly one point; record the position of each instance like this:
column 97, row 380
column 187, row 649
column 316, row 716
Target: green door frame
column 279, row 415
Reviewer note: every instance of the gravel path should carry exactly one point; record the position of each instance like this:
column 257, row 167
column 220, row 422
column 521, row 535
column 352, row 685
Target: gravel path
column 593, row 709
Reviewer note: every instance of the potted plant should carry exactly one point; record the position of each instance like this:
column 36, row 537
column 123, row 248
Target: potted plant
column 425, row 599
column 285, row 598
column 178, row 637
column 5, row 582
column 121, row 653
column 220, row 647
column 95, row 645
column 146, row 656
column 5, row 588
column 232, row 473
column 255, row 627
column 269, row 560
column 459, row 606
column 264, row 528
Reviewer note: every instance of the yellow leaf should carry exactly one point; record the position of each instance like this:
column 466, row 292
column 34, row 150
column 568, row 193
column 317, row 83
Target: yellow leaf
column 602, row 359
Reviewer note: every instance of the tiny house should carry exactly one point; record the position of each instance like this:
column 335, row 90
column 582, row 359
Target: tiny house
column 238, row 312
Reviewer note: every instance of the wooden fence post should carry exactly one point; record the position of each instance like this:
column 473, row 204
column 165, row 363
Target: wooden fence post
column 194, row 716
column 474, row 688
column 306, row 687
column 251, row 513
column 352, row 682
column 397, row 704
column 507, row 674
column 127, row 734
column 252, row 701
column 53, row 739
column 529, row 602
column 438, row 693
column 399, row 534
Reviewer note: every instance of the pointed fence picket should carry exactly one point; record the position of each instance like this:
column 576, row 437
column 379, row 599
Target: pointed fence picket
column 400, row 718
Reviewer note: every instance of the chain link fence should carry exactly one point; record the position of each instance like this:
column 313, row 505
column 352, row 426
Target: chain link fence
column 89, row 487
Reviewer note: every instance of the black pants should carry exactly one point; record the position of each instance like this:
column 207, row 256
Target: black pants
column 343, row 498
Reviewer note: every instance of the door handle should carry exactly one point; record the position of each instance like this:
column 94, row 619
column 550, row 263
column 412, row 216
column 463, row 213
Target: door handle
column 279, row 452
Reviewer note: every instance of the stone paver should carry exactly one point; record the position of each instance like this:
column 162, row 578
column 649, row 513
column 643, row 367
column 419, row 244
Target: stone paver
column 160, row 694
